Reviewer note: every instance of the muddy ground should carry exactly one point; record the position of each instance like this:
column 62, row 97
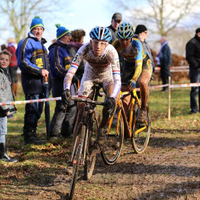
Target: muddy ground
column 169, row 169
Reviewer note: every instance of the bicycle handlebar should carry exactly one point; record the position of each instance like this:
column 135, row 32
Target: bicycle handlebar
column 86, row 100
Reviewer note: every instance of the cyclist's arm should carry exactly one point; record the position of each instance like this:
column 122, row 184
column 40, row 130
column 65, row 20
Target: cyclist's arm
column 138, row 60
column 116, row 75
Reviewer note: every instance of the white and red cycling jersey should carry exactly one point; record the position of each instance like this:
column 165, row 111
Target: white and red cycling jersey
column 103, row 69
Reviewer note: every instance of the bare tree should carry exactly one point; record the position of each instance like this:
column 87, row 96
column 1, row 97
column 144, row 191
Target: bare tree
column 19, row 13
column 162, row 15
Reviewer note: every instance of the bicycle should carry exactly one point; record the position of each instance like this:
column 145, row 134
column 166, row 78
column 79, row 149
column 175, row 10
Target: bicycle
column 85, row 147
column 137, row 132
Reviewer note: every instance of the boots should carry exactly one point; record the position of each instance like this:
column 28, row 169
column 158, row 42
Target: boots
column 3, row 154
column 30, row 137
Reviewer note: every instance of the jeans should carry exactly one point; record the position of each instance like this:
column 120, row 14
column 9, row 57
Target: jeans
column 194, row 78
column 33, row 111
column 3, row 129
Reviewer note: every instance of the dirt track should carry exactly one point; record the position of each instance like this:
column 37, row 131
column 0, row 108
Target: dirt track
column 169, row 169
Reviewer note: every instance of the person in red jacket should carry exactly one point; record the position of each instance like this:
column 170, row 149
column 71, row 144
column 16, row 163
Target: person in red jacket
column 13, row 65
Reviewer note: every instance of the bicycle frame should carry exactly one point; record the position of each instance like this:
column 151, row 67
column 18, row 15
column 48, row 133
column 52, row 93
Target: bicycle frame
column 88, row 115
column 127, row 124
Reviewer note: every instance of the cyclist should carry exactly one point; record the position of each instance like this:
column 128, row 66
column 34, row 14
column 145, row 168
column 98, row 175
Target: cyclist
column 137, row 67
column 102, row 66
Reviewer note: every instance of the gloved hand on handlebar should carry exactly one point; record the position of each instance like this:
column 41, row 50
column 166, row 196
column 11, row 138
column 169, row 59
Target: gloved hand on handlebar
column 110, row 105
column 132, row 85
column 66, row 96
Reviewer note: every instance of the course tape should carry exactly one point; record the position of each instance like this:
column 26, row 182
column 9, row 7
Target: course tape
column 59, row 98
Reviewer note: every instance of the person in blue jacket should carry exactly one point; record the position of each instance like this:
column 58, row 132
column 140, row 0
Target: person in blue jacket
column 32, row 59
column 60, row 57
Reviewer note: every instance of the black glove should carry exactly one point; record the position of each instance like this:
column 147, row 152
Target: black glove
column 110, row 105
column 66, row 96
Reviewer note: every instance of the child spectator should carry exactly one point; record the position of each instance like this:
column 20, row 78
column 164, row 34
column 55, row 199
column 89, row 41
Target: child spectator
column 7, row 110
column 13, row 65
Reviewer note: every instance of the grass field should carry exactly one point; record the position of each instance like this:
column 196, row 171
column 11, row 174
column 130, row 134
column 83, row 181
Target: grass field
column 36, row 163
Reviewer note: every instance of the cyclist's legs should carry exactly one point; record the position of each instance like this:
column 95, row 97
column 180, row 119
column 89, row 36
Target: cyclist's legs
column 126, row 100
column 144, row 90
column 108, row 88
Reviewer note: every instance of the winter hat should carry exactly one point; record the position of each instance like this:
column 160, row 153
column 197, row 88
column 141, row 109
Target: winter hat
column 61, row 31
column 140, row 28
column 37, row 21
column 197, row 30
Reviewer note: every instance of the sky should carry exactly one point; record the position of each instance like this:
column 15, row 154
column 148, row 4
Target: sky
column 82, row 14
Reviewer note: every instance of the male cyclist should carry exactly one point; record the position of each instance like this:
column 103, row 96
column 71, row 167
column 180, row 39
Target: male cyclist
column 102, row 66
column 137, row 67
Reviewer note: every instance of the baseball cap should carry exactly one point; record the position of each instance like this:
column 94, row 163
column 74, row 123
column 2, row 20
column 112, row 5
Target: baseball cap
column 117, row 16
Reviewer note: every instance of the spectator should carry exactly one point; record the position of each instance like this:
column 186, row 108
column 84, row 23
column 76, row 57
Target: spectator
column 193, row 58
column 13, row 65
column 32, row 59
column 142, row 33
column 60, row 56
column 3, row 46
column 164, row 61
column 115, row 22
column 77, row 41
column 7, row 110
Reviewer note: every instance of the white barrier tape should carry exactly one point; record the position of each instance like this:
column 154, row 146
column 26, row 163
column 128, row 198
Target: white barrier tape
column 176, row 69
column 59, row 98
column 185, row 85
column 30, row 101
column 158, row 86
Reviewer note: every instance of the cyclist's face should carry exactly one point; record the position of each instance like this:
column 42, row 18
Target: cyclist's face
column 125, row 42
column 98, row 46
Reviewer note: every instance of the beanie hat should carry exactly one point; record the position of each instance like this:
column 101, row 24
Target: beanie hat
column 61, row 31
column 37, row 21
column 140, row 28
column 197, row 30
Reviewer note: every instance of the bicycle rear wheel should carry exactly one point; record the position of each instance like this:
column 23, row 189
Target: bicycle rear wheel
column 77, row 158
column 90, row 152
column 141, row 132
column 114, row 139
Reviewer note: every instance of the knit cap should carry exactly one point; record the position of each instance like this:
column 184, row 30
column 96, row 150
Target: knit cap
column 197, row 30
column 61, row 31
column 140, row 28
column 37, row 21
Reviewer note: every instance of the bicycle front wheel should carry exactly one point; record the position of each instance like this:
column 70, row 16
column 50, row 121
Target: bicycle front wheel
column 90, row 151
column 77, row 158
column 141, row 132
column 114, row 139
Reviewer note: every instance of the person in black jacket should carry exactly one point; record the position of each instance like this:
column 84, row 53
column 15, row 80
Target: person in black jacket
column 193, row 58
column 115, row 22
column 164, row 61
